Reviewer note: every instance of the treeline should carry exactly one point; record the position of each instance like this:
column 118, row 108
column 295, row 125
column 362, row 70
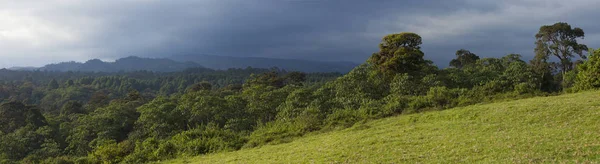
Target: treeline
column 137, row 125
column 51, row 89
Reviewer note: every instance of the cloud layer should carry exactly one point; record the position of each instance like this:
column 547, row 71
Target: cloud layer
column 34, row 33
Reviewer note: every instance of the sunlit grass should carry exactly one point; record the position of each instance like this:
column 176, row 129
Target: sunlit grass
column 546, row 129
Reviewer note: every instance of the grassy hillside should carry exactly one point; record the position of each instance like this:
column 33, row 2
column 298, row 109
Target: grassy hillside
column 546, row 129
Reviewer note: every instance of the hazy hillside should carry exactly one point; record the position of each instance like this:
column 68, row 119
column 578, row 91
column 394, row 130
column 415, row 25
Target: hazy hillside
column 560, row 129
column 178, row 63
column 126, row 64
column 224, row 62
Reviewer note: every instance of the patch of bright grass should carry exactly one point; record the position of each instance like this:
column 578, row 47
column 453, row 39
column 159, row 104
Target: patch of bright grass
column 559, row 129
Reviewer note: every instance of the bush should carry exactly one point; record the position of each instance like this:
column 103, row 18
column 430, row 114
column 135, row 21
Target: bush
column 151, row 149
column 111, row 152
column 418, row 104
column 589, row 72
column 524, row 88
column 58, row 160
column 440, row 97
column 394, row 104
column 343, row 118
column 370, row 108
column 276, row 132
column 207, row 139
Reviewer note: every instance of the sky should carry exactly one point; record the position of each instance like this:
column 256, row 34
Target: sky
column 35, row 33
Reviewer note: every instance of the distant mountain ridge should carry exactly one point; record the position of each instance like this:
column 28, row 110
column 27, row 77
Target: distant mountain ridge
column 224, row 62
column 127, row 64
column 23, row 68
column 180, row 63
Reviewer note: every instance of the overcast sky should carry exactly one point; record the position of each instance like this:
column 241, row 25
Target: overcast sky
column 34, row 32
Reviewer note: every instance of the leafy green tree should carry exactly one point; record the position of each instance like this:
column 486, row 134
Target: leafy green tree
column 463, row 58
column 15, row 115
column 266, row 79
column 29, row 143
column 202, row 108
column 113, row 122
column 200, row 86
column 295, row 104
column 71, row 107
column 110, row 152
column 517, row 72
column 263, row 101
column 589, row 72
column 295, row 78
column 159, row 119
column 400, row 53
column 560, row 40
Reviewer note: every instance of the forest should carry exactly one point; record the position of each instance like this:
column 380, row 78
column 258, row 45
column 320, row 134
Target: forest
column 143, row 116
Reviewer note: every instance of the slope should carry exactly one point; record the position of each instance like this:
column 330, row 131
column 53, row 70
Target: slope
column 543, row 129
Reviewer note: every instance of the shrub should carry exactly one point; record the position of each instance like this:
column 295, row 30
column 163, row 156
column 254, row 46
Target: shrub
column 440, row 97
column 207, row 139
column 418, row 103
column 370, row 108
column 276, row 132
column 524, row 88
column 589, row 72
column 394, row 104
column 151, row 149
column 111, row 152
column 58, row 160
column 343, row 118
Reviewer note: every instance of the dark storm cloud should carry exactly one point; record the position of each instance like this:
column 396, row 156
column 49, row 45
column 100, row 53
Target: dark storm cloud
column 347, row 30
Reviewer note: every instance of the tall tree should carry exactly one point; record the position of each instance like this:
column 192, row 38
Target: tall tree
column 399, row 53
column 560, row 40
column 463, row 58
column 543, row 71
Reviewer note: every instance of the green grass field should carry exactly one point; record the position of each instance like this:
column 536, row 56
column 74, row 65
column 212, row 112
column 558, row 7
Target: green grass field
column 559, row 129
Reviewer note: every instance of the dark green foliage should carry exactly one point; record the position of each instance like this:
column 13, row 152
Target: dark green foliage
column 53, row 84
column 69, row 83
column 16, row 115
column 400, row 53
column 110, row 152
column 199, row 87
column 295, row 78
column 159, row 119
column 266, row 79
column 113, row 122
column 463, row 58
column 71, row 107
column 208, row 139
column 589, row 72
